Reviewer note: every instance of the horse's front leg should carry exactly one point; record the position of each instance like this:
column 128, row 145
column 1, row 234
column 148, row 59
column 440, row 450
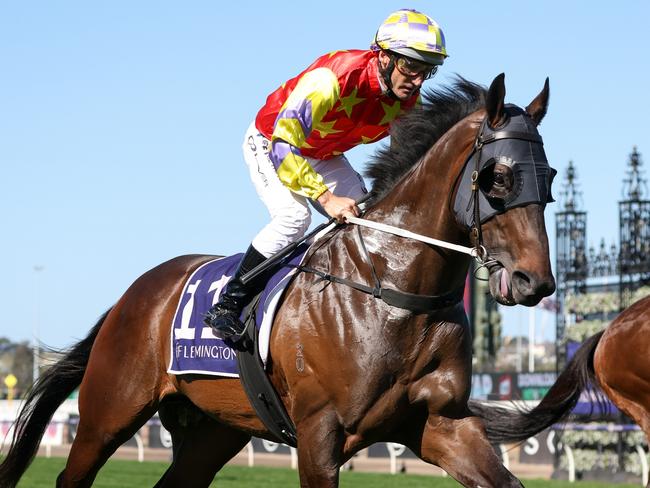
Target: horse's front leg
column 320, row 441
column 461, row 448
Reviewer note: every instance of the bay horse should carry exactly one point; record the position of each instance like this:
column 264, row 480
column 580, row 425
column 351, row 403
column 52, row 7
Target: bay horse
column 369, row 372
column 615, row 359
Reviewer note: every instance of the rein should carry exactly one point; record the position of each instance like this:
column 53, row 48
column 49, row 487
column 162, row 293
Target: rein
column 391, row 229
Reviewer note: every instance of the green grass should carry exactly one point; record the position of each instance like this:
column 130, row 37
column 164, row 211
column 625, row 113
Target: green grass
column 131, row 474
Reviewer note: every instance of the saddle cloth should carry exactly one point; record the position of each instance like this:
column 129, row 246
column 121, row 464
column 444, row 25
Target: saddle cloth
column 194, row 348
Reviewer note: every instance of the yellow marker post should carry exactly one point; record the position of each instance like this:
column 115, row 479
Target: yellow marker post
column 10, row 382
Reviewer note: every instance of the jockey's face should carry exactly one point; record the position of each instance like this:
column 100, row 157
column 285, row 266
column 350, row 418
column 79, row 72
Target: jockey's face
column 404, row 86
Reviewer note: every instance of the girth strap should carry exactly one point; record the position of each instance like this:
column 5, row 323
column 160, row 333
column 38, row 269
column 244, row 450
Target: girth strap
column 395, row 298
column 258, row 387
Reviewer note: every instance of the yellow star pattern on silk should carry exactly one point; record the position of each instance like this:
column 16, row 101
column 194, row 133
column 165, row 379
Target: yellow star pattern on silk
column 348, row 103
column 326, row 128
column 390, row 112
column 366, row 140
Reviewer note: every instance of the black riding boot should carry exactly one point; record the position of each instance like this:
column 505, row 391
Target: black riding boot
column 223, row 317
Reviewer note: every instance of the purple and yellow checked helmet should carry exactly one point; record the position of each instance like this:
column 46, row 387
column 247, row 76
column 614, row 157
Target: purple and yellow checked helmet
column 412, row 34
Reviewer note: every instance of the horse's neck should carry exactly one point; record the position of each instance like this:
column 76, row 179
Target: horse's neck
column 420, row 204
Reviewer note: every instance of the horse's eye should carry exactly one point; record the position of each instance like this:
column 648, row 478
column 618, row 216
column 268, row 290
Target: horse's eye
column 497, row 180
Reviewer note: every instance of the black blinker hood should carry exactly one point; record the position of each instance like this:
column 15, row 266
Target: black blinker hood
column 518, row 145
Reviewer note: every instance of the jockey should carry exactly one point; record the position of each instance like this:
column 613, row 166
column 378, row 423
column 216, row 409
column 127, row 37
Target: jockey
column 294, row 148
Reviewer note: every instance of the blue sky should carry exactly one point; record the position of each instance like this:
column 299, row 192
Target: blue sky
column 121, row 125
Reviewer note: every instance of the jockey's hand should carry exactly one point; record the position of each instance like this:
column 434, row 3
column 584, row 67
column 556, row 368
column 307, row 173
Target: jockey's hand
column 338, row 207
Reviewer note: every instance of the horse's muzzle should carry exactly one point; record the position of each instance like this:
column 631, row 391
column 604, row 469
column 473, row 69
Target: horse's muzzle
column 528, row 289
column 520, row 287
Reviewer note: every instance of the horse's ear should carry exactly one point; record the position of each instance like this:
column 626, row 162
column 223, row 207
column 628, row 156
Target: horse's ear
column 537, row 108
column 495, row 101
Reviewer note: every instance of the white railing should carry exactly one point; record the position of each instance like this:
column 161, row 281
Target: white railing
column 568, row 452
column 56, row 431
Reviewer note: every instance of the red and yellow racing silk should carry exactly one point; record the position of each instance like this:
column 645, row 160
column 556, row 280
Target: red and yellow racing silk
column 335, row 104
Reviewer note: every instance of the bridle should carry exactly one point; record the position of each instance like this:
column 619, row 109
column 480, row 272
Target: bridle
column 527, row 161
column 476, row 232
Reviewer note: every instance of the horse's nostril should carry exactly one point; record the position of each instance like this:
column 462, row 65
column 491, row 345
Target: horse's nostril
column 530, row 285
column 522, row 281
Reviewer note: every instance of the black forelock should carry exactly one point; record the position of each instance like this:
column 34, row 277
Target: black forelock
column 416, row 131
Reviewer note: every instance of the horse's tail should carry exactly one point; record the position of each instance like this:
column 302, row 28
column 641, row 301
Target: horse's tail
column 42, row 400
column 506, row 425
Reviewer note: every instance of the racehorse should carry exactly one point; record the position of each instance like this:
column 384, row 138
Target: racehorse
column 350, row 369
column 615, row 359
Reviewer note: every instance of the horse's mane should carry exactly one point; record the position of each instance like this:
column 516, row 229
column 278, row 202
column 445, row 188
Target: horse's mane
column 416, row 131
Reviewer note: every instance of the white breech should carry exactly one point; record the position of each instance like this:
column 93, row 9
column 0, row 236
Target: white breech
column 290, row 212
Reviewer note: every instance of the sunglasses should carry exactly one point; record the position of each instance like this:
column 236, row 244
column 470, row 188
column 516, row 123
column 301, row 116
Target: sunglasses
column 412, row 68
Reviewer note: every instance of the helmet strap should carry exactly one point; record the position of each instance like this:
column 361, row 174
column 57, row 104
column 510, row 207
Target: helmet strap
column 386, row 74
